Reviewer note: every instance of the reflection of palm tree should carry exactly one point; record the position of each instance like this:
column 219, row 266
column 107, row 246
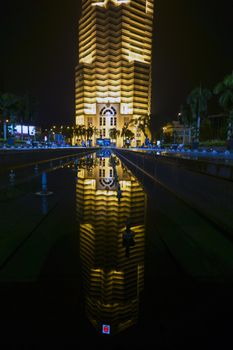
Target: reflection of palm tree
column 225, row 91
column 197, row 100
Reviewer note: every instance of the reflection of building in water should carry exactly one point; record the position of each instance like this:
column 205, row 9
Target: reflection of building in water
column 112, row 279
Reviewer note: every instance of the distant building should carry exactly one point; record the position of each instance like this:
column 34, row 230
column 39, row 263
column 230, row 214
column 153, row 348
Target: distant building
column 24, row 132
column 218, row 124
column 175, row 132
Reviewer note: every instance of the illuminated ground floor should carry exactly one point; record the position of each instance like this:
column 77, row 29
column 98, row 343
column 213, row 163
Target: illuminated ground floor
column 111, row 124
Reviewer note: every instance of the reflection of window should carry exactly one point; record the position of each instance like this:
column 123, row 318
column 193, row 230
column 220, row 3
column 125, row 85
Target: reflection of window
column 100, row 121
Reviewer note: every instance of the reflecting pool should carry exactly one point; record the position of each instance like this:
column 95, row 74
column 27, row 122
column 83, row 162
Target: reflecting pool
column 109, row 259
column 111, row 211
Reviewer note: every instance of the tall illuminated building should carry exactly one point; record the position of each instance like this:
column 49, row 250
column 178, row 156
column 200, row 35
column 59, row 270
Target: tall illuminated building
column 113, row 77
column 112, row 266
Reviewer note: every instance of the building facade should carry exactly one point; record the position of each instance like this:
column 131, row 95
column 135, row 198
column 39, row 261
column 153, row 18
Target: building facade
column 113, row 77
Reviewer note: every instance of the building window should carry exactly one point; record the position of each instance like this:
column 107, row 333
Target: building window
column 103, row 162
column 100, row 172
column 100, row 121
column 110, row 173
column 115, row 121
column 111, row 121
column 104, row 132
column 104, row 121
column 103, row 172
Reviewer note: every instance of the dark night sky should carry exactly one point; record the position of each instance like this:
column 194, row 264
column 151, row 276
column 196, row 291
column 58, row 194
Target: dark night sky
column 192, row 44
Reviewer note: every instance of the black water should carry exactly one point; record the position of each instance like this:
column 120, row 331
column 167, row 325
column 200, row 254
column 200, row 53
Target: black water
column 110, row 247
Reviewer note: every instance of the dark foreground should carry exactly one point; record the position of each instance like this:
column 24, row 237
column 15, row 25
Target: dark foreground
column 185, row 298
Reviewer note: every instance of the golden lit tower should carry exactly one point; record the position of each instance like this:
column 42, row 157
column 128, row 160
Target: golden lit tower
column 113, row 77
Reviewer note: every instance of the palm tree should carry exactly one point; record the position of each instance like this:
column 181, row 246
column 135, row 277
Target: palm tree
column 89, row 132
column 24, row 111
column 114, row 133
column 198, row 102
column 68, row 132
column 8, row 108
column 185, row 118
column 80, row 131
column 225, row 91
column 144, row 124
column 123, row 132
column 125, row 128
column 129, row 135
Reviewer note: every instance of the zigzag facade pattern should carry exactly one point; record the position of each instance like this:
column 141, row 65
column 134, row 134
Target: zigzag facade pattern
column 115, row 45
